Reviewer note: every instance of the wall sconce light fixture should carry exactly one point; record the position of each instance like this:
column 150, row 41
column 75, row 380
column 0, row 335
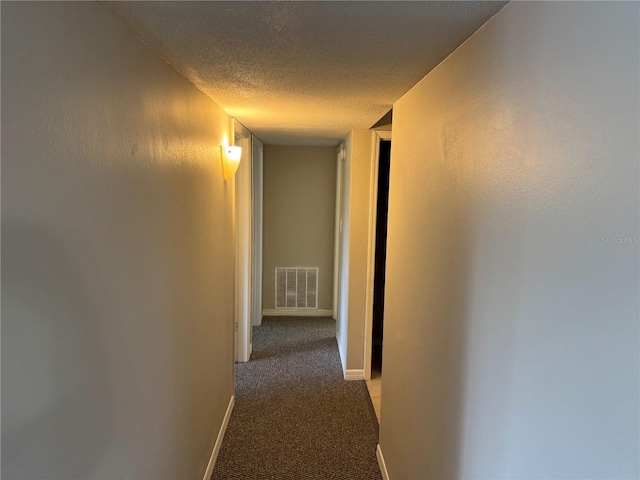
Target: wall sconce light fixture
column 230, row 160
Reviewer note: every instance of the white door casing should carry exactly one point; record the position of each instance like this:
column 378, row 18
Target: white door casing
column 243, row 245
column 257, row 231
column 337, row 228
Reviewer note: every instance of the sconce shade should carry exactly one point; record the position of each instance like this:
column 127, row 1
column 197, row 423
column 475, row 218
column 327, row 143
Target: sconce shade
column 230, row 160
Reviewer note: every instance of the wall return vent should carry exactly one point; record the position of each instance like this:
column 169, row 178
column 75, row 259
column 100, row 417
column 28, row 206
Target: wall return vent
column 296, row 287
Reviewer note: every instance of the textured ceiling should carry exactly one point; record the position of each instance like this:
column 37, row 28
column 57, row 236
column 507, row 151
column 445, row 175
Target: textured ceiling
column 304, row 72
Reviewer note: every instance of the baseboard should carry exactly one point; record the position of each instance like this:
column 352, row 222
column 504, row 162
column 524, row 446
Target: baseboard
column 272, row 312
column 216, row 447
column 354, row 375
column 381, row 464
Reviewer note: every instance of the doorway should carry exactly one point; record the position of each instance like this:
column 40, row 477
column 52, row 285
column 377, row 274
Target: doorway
column 376, row 254
column 248, row 214
column 380, row 255
column 257, row 197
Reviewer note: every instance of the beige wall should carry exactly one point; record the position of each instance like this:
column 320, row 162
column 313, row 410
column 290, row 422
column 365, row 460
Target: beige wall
column 511, row 327
column 360, row 180
column 299, row 212
column 354, row 244
column 117, row 255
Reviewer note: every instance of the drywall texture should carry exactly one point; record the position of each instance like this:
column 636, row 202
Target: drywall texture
column 299, row 212
column 117, row 254
column 353, row 245
column 511, row 327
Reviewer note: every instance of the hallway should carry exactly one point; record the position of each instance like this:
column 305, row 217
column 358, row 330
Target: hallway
column 295, row 417
column 512, row 289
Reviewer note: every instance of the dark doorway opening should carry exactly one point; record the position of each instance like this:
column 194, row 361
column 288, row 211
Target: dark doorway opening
column 382, row 207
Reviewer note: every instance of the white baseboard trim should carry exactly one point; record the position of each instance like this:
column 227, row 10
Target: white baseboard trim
column 354, row 375
column 216, row 447
column 381, row 464
column 272, row 312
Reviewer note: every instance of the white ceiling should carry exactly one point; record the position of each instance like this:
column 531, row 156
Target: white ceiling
column 304, row 72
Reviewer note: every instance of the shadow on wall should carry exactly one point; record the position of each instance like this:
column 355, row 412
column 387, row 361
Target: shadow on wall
column 431, row 270
column 479, row 265
column 55, row 405
column 446, row 332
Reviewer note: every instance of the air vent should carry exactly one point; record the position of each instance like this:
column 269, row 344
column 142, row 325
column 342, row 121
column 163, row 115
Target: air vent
column 297, row 287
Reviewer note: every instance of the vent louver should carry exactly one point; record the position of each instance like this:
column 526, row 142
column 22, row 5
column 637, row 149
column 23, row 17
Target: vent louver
column 297, row 287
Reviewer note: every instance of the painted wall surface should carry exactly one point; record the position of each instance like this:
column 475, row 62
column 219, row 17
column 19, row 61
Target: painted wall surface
column 355, row 221
column 512, row 301
column 117, row 254
column 360, row 183
column 299, row 212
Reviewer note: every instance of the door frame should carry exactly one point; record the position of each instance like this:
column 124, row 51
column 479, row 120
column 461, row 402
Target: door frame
column 257, row 196
column 371, row 249
column 243, row 244
column 340, row 154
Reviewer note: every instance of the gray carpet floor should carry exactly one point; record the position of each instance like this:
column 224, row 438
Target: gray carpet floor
column 295, row 417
